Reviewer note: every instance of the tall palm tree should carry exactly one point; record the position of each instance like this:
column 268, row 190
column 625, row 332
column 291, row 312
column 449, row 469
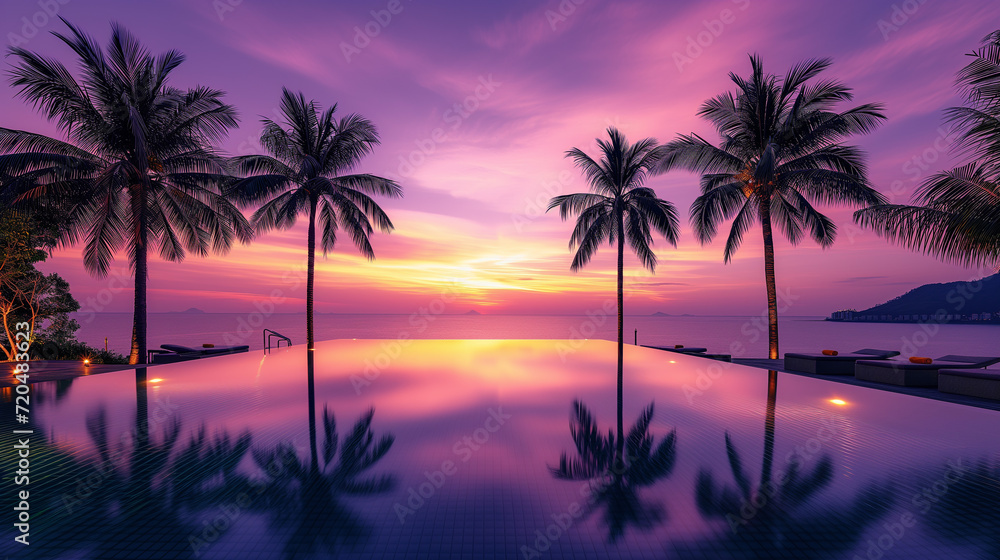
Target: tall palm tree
column 137, row 170
column 956, row 213
column 308, row 170
column 617, row 208
column 781, row 151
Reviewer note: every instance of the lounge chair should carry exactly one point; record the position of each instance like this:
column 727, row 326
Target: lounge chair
column 176, row 353
column 908, row 374
column 841, row 364
column 680, row 350
column 982, row 383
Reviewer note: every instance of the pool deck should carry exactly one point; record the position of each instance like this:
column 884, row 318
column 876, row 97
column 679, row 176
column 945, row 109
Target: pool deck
column 925, row 392
column 59, row 370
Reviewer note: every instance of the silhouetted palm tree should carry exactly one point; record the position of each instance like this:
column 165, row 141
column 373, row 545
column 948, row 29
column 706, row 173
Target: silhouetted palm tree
column 152, row 491
column 772, row 518
column 956, row 215
column 308, row 170
column 615, row 479
column 617, row 208
column 307, row 498
column 137, row 172
column 781, row 151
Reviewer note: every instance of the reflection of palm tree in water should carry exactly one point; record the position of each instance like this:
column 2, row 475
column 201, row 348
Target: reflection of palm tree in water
column 305, row 500
column 150, row 495
column 617, row 469
column 770, row 520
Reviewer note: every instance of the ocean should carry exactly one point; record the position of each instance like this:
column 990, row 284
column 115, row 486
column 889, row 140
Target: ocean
column 741, row 336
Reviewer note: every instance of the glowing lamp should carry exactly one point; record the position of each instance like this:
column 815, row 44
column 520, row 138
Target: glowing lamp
column 838, row 402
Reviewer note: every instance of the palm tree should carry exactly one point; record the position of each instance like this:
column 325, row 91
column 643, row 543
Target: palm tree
column 307, row 171
column 956, row 213
column 781, row 151
column 773, row 519
column 137, row 171
column 616, row 484
column 307, row 498
column 617, row 208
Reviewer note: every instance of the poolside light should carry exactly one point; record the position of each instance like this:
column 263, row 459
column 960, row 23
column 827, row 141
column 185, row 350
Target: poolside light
column 838, row 402
column 86, row 361
column 673, row 361
column 155, row 380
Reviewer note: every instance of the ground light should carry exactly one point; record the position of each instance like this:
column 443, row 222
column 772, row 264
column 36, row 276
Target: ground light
column 839, row 402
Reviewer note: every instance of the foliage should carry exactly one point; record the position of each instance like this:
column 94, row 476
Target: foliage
column 955, row 215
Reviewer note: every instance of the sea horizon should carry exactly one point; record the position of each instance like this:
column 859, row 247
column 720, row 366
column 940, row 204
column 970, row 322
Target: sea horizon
column 740, row 335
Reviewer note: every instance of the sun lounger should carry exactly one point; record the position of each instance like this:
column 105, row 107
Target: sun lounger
column 176, row 353
column 841, row 364
column 908, row 374
column 681, row 350
column 983, row 383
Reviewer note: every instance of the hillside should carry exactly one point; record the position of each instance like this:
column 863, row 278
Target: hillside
column 959, row 298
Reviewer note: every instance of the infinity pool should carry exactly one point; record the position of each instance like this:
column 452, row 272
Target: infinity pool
column 496, row 449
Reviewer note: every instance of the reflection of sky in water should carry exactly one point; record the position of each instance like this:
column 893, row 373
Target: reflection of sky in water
column 477, row 424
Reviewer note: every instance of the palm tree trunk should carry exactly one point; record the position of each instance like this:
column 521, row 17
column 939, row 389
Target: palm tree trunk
column 620, row 451
column 311, row 275
column 313, row 456
column 310, row 338
column 137, row 355
column 772, row 293
column 772, row 397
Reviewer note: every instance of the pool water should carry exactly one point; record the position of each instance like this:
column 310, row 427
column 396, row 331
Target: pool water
column 495, row 449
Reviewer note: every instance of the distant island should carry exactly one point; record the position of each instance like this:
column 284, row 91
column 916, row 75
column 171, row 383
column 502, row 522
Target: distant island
column 662, row 314
column 472, row 312
column 190, row 311
column 952, row 302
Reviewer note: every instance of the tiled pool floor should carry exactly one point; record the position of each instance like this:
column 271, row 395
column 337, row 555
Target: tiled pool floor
column 496, row 449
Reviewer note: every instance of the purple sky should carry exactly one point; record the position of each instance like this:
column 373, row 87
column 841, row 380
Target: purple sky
column 535, row 78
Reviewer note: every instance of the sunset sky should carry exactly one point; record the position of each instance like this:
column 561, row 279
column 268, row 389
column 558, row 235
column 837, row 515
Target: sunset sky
column 535, row 79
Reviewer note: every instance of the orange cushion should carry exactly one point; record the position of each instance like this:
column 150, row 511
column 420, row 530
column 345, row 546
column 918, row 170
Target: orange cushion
column 830, row 352
column 208, row 346
column 919, row 360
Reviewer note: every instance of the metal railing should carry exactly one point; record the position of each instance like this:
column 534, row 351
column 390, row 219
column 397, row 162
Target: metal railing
column 269, row 334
